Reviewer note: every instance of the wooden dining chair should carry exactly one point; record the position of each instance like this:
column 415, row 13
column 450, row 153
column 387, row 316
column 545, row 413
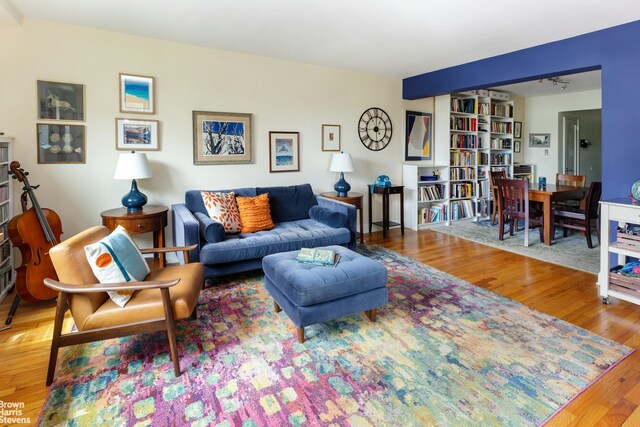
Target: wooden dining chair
column 571, row 181
column 575, row 218
column 493, row 176
column 514, row 205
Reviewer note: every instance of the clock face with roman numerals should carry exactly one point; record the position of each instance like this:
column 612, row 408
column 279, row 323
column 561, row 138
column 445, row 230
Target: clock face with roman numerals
column 375, row 129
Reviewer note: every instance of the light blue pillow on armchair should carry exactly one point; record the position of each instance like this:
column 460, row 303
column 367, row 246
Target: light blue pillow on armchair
column 328, row 217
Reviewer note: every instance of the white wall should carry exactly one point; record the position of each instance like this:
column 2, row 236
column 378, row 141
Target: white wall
column 281, row 95
column 541, row 116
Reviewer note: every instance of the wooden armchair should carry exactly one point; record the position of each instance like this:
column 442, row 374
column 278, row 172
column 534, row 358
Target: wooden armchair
column 493, row 177
column 167, row 294
column 514, row 205
column 571, row 181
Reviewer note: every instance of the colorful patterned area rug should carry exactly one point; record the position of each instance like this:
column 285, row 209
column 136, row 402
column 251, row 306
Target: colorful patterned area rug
column 571, row 251
column 442, row 352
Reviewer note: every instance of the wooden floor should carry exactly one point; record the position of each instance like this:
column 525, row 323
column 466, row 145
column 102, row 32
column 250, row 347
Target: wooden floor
column 561, row 292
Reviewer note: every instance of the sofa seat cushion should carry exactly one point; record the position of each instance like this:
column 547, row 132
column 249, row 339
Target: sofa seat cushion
column 286, row 236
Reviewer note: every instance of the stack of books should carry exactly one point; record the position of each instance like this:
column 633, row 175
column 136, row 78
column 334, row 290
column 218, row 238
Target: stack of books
column 317, row 256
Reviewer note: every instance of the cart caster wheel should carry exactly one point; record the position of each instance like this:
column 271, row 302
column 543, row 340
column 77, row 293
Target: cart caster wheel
column 605, row 300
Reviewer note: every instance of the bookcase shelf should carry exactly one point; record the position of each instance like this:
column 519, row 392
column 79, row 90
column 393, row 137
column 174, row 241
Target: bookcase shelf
column 7, row 275
column 426, row 200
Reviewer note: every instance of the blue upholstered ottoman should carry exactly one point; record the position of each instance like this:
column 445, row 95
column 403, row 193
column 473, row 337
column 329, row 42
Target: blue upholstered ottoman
column 312, row 294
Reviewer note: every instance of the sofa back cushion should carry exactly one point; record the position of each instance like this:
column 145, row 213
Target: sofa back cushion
column 290, row 203
column 193, row 198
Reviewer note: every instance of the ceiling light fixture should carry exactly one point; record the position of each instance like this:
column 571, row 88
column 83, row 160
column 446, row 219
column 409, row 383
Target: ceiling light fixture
column 557, row 80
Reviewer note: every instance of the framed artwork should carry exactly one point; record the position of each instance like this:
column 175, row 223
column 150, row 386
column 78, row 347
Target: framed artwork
column 330, row 137
column 539, row 139
column 221, row 138
column 418, row 141
column 517, row 129
column 284, row 151
column 60, row 101
column 140, row 135
column 136, row 94
column 60, row 143
column 516, row 146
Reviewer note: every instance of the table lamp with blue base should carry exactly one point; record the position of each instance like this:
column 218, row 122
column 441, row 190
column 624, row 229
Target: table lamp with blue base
column 133, row 166
column 341, row 163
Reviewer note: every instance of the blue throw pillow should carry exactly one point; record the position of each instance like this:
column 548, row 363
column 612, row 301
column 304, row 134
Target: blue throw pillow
column 328, row 217
column 212, row 231
column 289, row 203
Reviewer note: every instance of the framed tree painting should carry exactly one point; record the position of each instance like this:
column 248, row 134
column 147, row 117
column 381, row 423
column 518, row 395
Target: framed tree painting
column 60, row 101
column 136, row 94
column 61, row 143
column 284, row 151
column 221, row 138
column 418, row 141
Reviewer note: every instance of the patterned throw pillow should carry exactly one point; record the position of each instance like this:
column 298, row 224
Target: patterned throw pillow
column 255, row 213
column 222, row 208
column 115, row 259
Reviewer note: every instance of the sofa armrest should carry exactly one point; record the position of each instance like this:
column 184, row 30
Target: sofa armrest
column 346, row 209
column 186, row 231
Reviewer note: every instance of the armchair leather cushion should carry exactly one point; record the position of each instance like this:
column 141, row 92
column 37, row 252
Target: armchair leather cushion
column 116, row 258
column 328, row 217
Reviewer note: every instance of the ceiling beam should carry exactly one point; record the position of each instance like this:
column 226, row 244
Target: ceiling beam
column 8, row 14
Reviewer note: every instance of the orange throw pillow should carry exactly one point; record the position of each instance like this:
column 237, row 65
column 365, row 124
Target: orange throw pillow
column 255, row 213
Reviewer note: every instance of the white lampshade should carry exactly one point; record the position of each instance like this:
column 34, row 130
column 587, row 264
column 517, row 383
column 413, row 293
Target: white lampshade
column 341, row 162
column 132, row 166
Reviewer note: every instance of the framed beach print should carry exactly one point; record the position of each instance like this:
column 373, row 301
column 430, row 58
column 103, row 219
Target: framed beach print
column 539, row 139
column 61, row 143
column 517, row 129
column 140, row 135
column 284, row 151
column 136, row 94
column 221, row 138
column 418, row 141
column 330, row 137
column 60, row 101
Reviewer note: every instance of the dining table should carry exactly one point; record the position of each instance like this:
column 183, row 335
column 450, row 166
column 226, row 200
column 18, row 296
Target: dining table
column 549, row 194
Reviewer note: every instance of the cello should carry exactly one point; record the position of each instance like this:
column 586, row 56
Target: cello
column 34, row 233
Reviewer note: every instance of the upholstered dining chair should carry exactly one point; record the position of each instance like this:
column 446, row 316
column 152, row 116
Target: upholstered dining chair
column 493, row 177
column 514, row 205
column 166, row 295
column 575, row 218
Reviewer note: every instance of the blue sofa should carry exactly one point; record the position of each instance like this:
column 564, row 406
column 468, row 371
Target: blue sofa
column 302, row 219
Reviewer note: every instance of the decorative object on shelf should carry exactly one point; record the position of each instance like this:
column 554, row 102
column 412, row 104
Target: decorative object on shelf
column 284, row 151
column 133, row 166
column 331, row 138
column 539, row 139
column 517, row 129
column 516, row 146
column 141, row 135
column 635, row 190
column 419, row 144
column 342, row 163
column 136, row 94
column 60, row 143
column 542, row 182
column 382, row 181
column 221, row 138
column 60, row 101
column 374, row 128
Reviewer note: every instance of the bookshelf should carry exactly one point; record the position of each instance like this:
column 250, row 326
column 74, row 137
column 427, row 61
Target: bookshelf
column 525, row 171
column 478, row 126
column 6, row 212
column 426, row 190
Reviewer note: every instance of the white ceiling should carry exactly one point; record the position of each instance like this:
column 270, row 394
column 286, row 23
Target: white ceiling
column 398, row 38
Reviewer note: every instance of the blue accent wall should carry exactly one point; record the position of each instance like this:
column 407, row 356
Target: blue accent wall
column 615, row 50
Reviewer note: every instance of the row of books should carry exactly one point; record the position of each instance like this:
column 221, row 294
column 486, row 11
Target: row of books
column 4, row 213
column 500, row 158
column 483, row 207
column 464, row 141
column 463, row 123
column 4, row 153
column 484, row 108
column 437, row 212
column 462, row 158
column 501, row 127
column 4, row 193
column 4, row 173
column 463, row 105
column 502, row 110
column 461, row 190
column 431, row 192
column 318, row 256
column 484, row 188
column 462, row 173
column 501, row 143
column 462, row 209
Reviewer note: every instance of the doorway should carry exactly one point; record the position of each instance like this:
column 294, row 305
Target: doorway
column 581, row 143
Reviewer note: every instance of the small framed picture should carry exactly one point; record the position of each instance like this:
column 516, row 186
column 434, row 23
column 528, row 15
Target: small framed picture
column 516, row 146
column 60, row 143
column 60, row 101
column 330, row 137
column 517, row 129
column 140, row 135
column 284, row 151
column 221, row 138
column 136, row 94
column 539, row 139
column 418, row 141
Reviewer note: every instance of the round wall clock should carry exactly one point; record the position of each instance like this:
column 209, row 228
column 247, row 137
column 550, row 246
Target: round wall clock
column 375, row 129
column 635, row 190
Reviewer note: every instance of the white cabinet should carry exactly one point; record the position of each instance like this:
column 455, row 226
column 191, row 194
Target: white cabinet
column 6, row 212
column 621, row 212
column 425, row 195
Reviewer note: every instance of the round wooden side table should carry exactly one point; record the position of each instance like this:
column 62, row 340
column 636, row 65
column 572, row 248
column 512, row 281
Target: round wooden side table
column 352, row 198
